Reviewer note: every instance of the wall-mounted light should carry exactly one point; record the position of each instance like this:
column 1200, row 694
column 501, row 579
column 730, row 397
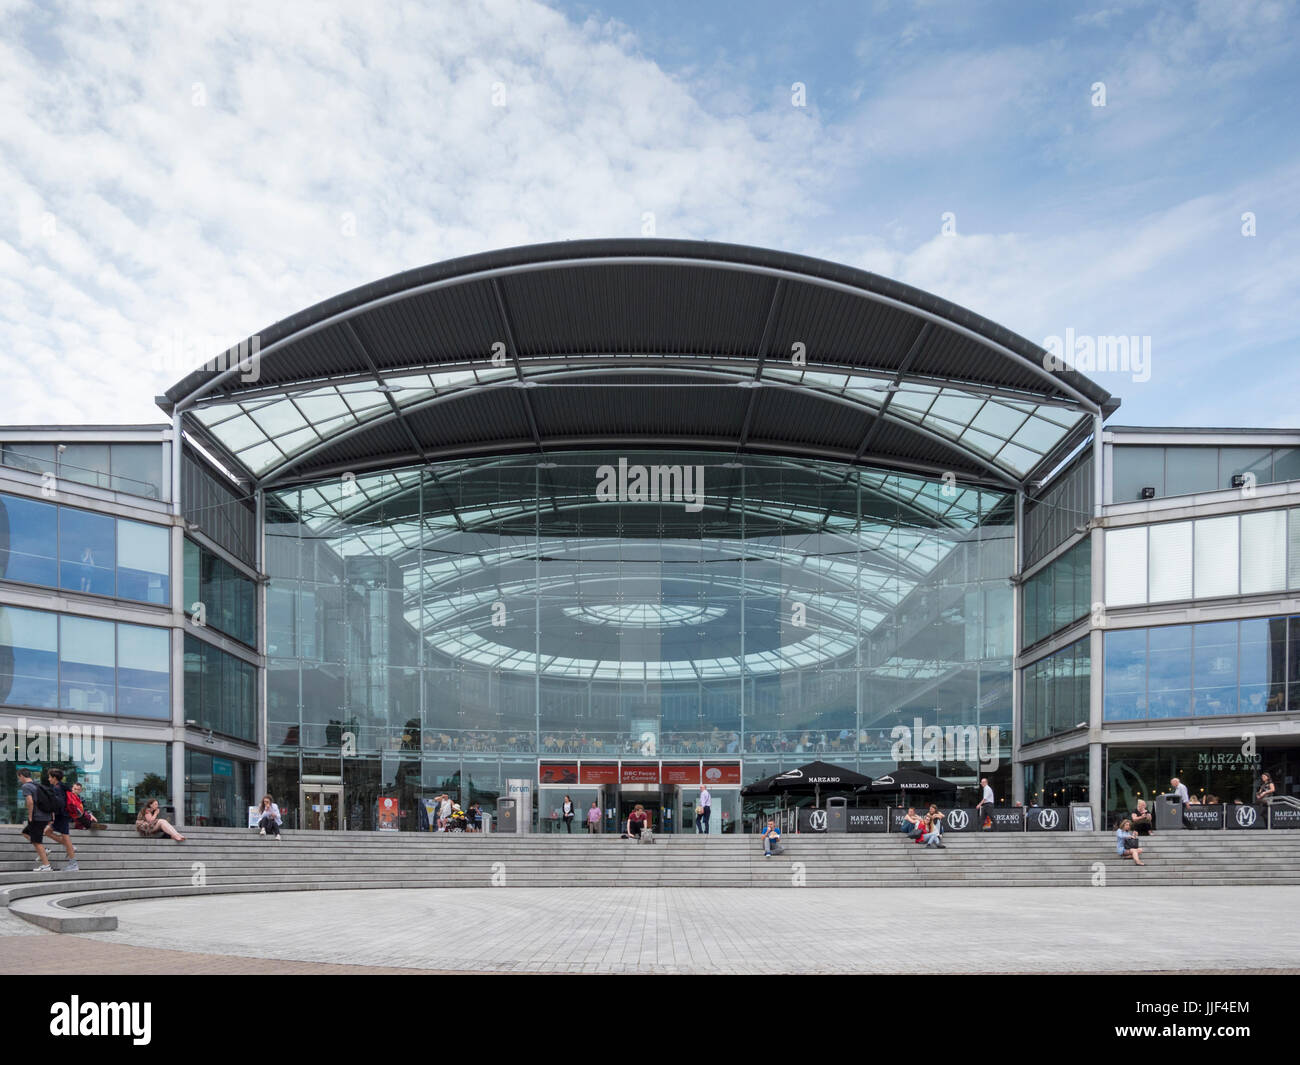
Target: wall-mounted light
column 1148, row 493
column 1238, row 480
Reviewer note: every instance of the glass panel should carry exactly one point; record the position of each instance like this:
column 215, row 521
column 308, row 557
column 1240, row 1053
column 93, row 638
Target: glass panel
column 1293, row 547
column 137, row 469
column 1191, row 469
column 1263, row 551
column 86, row 551
column 141, row 771
column 1137, row 468
column 1125, row 680
column 143, row 562
column 1169, row 671
column 28, row 540
column 1216, row 556
column 1245, row 460
column 1263, row 665
column 87, row 660
column 85, row 464
column 143, row 671
column 1215, row 676
column 1286, row 464
column 29, row 658
column 1126, row 566
column 34, row 458
column 1171, row 561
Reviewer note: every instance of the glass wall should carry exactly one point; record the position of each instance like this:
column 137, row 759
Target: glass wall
column 1223, row 773
column 661, row 603
column 1232, row 554
column 1056, row 692
column 220, row 690
column 1207, row 670
column 1059, row 594
column 82, row 551
column 117, row 775
column 1183, row 470
column 57, row 661
column 229, row 599
column 1057, row 781
column 136, row 469
column 218, row 791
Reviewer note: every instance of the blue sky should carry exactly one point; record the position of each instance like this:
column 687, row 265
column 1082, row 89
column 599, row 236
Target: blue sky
column 173, row 178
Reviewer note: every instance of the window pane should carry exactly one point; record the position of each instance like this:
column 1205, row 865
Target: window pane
column 191, row 586
column 143, row 671
column 1256, row 460
column 34, row 458
column 1125, row 678
column 1263, row 551
column 1191, row 469
column 137, row 469
column 85, row 464
column 1126, row 566
column 1171, row 561
column 87, row 663
column 1137, row 468
column 1293, row 667
column 1263, row 665
column 29, row 658
column 28, row 540
column 143, row 552
column 1216, row 557
column 1286, row 464
column 1215, row 667
column 1169, row 671
column 1293, row 547
column 85, row 551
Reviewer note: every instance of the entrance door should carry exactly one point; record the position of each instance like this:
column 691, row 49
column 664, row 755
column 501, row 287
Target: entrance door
column 652, row 805
column 322, row 806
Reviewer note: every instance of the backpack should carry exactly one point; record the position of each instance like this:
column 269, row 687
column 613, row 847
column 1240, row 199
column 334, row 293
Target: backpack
column 49, row 798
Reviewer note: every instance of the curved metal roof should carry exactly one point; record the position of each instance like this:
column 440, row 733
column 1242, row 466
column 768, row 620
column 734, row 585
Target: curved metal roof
column 591, row 343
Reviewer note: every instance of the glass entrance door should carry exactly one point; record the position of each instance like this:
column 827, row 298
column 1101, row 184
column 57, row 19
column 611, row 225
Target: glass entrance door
column 322, row 806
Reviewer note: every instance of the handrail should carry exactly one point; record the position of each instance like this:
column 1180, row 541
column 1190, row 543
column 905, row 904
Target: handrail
column 1284, row 800
column 147, row 489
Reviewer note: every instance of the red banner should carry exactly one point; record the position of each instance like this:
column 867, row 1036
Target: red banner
column 682, row 774
column 598, row 774
column 558, row 773
column 634, row 773
column 388, row 813
column 721, row 774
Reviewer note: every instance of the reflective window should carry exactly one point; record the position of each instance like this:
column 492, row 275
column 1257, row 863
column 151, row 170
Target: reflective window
column 29, row 658
column 143, row 555
column 1056, row 692
column 29, row 537
column 87, row 682
column 220, row 691
column 116, row 778
column 1059, row 594
column 143, row 671
column 228, row 598
column 86, row 551
column 137, row 469
column 85, row 464
column 34, row 458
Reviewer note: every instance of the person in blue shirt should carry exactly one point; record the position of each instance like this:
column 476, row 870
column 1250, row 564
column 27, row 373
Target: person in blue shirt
column 771, row 839
column 1127, row 844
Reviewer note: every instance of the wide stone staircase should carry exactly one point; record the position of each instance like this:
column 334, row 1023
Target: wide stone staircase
column 117, row 864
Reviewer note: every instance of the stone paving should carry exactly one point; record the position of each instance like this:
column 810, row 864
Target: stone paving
column 707, row 930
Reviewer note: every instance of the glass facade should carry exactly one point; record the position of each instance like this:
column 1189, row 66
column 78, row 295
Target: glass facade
column 135, row 469
column 1055, row 694
column 1224, row 773
column 117, row 775
column 218, row 791
column 58, row 661
column 82, row 551
column 1059, row 594
column 484, row 613
column 220, row 690
column 1183, row 469
column 1205, row 670
column 228, row 598
column 1057, row 781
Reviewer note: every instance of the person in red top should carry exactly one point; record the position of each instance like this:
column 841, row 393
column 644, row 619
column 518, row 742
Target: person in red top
column 636, row 821
column 77, row 812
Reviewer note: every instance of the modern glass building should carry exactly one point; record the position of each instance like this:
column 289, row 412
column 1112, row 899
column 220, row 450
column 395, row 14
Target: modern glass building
column 612, row 518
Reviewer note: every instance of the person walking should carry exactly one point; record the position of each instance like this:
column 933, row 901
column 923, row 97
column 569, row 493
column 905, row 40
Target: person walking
column 269, row 822
column 706, row 802
column 984, row 808
column 567, row 811
column 593, row 819
column 38, row 820
column 52, row 798
column 444, row 812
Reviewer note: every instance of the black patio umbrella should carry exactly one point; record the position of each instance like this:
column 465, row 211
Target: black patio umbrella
column 908, row 781
column 808, row 780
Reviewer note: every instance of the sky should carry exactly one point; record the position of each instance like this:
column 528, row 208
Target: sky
column 175, row 177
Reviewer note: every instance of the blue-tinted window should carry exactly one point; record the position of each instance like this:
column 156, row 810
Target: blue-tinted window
column 1214, row 670
column 29, row 534
column 1169, row 671
column 143, row 671
column 88, row 655
column 1126, row 667
column 143, row 556
column 86, row 551
column 29, row 658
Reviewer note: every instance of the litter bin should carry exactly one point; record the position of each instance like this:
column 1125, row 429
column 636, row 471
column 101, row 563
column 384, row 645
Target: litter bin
column 1169, row 813
column 507, row 815
column 837, row 814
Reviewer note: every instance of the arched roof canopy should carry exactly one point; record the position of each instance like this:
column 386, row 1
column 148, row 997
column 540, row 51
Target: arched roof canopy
column 594, row 343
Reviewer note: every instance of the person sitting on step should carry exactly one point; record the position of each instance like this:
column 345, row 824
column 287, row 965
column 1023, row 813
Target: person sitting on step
column 269, row 822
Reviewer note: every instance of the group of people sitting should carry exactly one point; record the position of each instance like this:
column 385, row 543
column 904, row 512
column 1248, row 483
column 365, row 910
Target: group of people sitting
column 926, row 828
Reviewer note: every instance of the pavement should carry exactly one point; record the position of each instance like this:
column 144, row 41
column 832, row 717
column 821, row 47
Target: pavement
column 684, row 930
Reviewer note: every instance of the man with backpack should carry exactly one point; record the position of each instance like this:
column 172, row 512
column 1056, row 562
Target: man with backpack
column 47, row 810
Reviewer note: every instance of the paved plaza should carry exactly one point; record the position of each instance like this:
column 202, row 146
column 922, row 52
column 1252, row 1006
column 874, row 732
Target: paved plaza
column 691, row 930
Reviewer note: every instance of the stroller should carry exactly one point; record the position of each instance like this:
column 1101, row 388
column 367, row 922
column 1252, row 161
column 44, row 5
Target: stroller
column 457, row 822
